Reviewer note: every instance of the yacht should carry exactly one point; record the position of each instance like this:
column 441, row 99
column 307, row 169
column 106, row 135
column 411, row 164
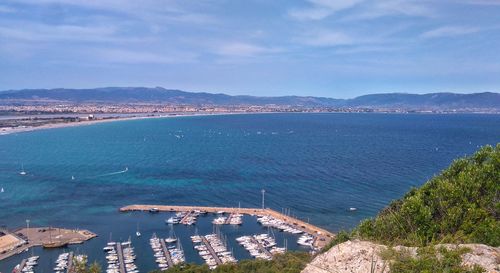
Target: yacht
column 172, row 220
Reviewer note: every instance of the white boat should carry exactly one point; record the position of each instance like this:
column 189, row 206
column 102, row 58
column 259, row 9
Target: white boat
column 2, row 190
column 138, row 233
column 353, row 209
column 22, row 172
column 172, row 220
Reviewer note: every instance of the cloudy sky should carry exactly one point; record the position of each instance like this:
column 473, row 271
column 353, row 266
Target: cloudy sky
column 333, row 48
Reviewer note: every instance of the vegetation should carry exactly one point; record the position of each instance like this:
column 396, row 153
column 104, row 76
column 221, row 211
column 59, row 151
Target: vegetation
column 290, row 262
column 81, row 267
column 461, row 205
column 428, row 260
column 342, row 236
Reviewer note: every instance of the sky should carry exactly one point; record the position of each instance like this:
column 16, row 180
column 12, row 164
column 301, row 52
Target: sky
column 330, row 48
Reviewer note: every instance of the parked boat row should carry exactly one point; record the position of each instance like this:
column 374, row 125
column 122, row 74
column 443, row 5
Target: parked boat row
column 27, row 266
column 270, row 221
column 177, row 253
column 260, row 246
column 160, row 257
column 120, row 257
column 212, row 250
column 232, row 219
column 187, row 218
column 306, row 240
column 129, row 257
column 220, row 248
column 62, row 262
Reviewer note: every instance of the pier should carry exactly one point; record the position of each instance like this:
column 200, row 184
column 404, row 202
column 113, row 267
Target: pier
column 321, row 236
column 121, row 261
column 186, row 217
column 263, row 249
column 21, row 266
column 230, row 217
column 70, row 263
column 211, row 250
column 167, row 253
column 48, row 237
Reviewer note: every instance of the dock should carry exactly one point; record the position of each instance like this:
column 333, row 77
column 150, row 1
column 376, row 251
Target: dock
column 70, row 263
column 186, row 217
column 263, row 249
column 321, row 236
column 211, row 250
column 167, row 253
column 21, row 266
column 47, row 237
column 121, row 261
column 231, row 215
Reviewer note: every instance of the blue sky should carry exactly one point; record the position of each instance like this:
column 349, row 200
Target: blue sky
column 333, row 48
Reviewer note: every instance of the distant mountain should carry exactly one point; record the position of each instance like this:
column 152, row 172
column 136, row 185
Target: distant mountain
column 128, row 95
column 432, row 100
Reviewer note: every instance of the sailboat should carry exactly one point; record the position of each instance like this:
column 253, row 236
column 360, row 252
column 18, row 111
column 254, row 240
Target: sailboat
column 171, row 238
column 22, row 170
column 137, row 233
column 1, row 190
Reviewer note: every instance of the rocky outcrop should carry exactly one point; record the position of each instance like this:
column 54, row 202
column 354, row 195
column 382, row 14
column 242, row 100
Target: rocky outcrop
column 363, row 256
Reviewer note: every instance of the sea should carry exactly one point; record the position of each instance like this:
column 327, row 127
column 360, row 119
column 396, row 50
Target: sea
column 314, row 166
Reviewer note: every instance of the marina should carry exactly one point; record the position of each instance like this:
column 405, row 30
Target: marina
column 321, row 237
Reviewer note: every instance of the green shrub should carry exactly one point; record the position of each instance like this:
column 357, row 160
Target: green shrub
column 429, row 260
column 458, row 206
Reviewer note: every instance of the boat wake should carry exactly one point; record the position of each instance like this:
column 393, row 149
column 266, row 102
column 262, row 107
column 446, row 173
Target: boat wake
column 110, row 174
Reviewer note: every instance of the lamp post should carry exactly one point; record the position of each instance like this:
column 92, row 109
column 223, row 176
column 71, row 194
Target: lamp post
column 28, row 229
column 263, row 193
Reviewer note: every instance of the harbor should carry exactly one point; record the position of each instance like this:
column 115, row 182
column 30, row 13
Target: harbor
column 157, row 242
column 321, row 237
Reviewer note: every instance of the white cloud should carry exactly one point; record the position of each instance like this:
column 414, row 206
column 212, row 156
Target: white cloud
column 326, row 38
column 146, row 10
column 124, row 56
column 321, row 9
column 240, row 49
column 361, row 9
column 48, row 33
column 449, row 31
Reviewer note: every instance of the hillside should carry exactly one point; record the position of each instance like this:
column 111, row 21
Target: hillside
column 158, row 95
column 460, row 205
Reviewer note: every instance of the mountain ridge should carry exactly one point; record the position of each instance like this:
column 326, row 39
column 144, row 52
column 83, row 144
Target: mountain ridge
column 160, row 95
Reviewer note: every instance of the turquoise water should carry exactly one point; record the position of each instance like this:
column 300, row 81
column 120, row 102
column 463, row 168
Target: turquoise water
column 316, row 165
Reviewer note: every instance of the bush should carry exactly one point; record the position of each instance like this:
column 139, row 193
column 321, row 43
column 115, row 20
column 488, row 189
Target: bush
column 429, row 260
column 458, row 206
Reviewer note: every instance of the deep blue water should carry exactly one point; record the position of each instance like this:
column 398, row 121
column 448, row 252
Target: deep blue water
column 317, row 165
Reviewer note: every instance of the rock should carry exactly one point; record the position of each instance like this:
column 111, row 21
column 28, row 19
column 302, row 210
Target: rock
column 363, row 256
column 351, row 256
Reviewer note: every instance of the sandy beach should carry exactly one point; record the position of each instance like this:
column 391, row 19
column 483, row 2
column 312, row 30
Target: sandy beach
column 14, row 130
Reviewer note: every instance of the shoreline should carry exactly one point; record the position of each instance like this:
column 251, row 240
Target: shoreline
column 152, row 116
column 112, row 119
